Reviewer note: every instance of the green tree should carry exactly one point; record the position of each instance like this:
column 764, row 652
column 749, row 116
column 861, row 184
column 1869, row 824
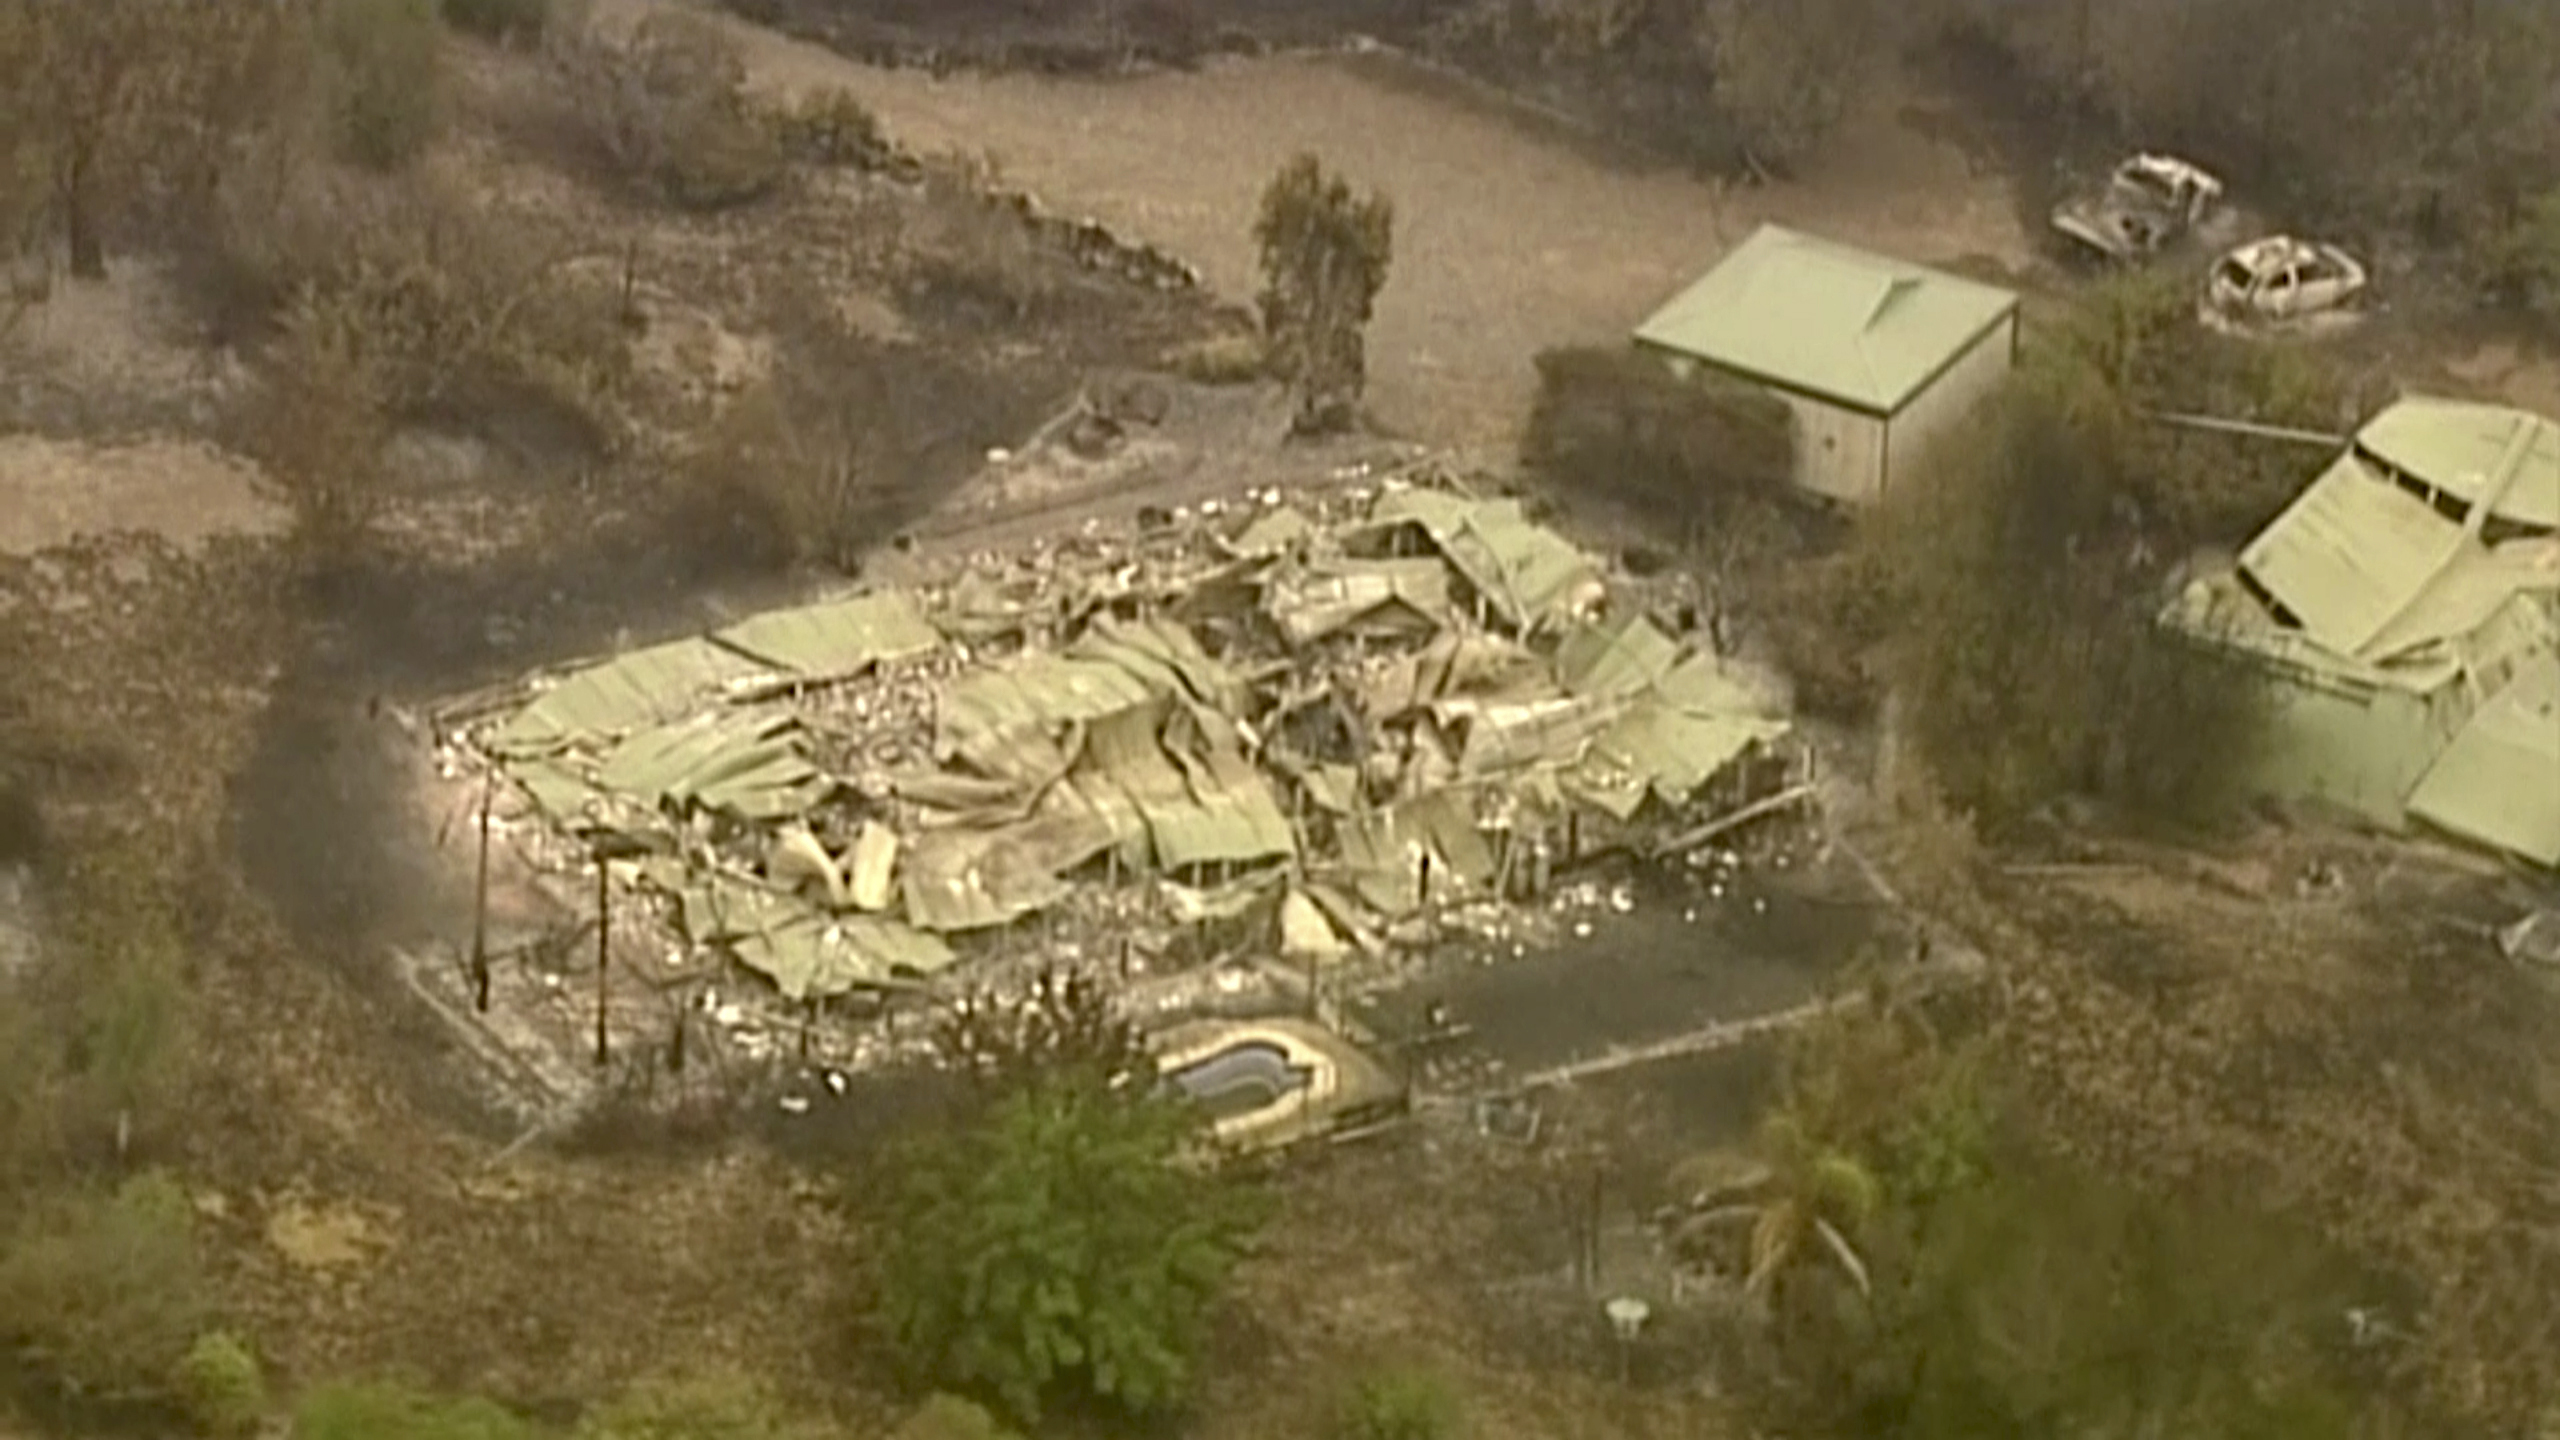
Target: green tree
column 131, row 1044
column 386, row 77
column 96, row 100
column 321, row 419
column 1325, row 252
column 1798, row 1199
column 2054, row 1302
column 2024, row 640
column 105, row 1292
column 1786, row 70
column 1062, row 1242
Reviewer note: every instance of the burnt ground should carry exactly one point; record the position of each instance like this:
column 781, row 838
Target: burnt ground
column 1685, row 952
column 358, row 1226
column 366, row 1223
column 1086, row 37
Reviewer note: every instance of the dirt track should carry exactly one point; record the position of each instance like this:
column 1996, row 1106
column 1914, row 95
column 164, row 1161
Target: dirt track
column 1513, row 234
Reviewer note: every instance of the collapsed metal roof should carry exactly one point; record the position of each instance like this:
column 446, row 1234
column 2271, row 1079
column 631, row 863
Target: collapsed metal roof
column 2423, row 561
column 1291, row 712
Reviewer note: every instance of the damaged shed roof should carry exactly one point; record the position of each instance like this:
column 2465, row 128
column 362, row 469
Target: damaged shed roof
column 2474, row 451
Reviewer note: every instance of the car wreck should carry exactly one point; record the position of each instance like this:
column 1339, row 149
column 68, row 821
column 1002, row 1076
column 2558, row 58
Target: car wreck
column 2283, row 285
column 2147, row 203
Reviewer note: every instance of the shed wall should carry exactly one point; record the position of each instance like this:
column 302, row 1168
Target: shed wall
column 1839, row 451
column 2361, row 750
column 1943, row 403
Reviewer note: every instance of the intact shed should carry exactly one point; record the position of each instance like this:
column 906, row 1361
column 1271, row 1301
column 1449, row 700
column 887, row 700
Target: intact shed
column 1876, row 357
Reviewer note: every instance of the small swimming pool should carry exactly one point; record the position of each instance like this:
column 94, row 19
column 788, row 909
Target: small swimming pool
column 1240, row 1080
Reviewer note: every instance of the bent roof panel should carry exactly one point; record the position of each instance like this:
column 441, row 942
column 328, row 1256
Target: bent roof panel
column 2350, row 554
column 839, row 637
column 1811, row 315
column 2498, row 783
column 2474, row 587
column 605, row 702
column 2470, row 449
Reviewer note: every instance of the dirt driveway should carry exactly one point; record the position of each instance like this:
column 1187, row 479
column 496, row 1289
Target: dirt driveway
column 1513, row 235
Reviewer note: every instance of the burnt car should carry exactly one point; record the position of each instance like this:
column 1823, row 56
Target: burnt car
column 2283, row 284
column 2148, row 202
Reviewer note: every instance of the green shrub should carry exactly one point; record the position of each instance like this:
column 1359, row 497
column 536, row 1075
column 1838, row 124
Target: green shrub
column 831, row 127
column 948, row 1417
column 2518, row 263
column 1399, row 1404
column 1058, row 1246
column 1235, row 358
column 382, row 1410
column 2027, row 648
column 221, row 1385
column 670, row 108
column 1614, row 421
column 499, row 19
column 713, row 1405
column 105, row 1292
column 386, row 77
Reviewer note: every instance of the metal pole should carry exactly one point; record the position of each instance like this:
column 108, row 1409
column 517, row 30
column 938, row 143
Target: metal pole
column 604, row 954
column 480, row 906
column 1591, row 1226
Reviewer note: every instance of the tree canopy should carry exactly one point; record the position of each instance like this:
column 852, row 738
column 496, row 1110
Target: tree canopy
column 1325, row 251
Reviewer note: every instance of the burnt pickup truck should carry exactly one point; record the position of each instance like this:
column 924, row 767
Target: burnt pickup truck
column 2147, row 203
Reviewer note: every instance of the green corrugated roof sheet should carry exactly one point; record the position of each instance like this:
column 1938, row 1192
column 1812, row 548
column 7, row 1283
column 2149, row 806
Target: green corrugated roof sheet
column 1820, row 317
column 1271, row 532
column 1452, row 664
column 1334, row 595
column 1166, row 656
column 2350, row 554
column 2467, row 596
column 1199, row 809
column 990, row 717
column 1669, row 751
column 2498, row 784
column 838, row 638
column 803, row 950
column 1508, row 734
column 602, row 703
column 2470, row 449
column 1383, row 850
column 746, row 762
column 953, row 880
column 1614, row 658
column 1528, row 573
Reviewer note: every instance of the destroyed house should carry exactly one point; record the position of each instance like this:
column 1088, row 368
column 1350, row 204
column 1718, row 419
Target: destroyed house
column 1316, row 721
column 1874, row 357
column 2406, row 609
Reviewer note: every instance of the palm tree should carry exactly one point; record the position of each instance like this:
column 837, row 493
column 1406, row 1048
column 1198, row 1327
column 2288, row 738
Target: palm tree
column 1799, row 1197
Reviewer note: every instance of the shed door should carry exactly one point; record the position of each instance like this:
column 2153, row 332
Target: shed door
column 1839, row 452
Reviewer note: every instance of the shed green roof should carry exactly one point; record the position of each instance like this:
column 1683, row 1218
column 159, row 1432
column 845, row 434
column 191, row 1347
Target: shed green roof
column 2474, row 451
column 1825, row 319
column 2351, row 554
column 2499, row 782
